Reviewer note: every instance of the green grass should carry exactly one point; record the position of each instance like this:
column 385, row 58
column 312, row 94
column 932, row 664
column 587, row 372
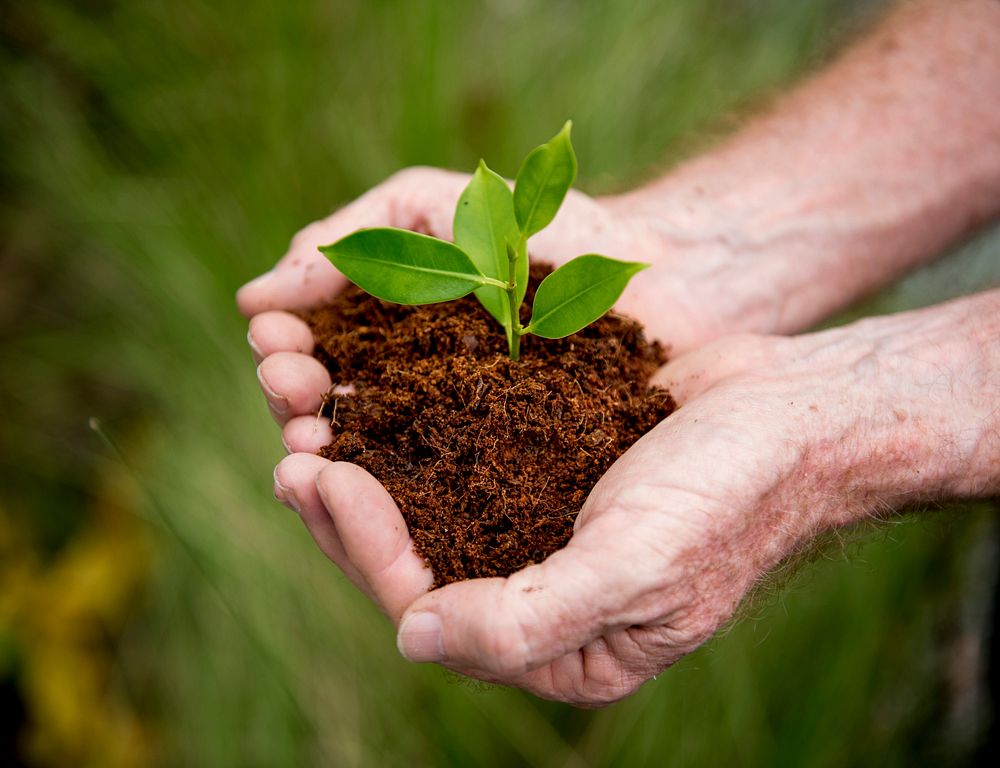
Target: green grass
column 157, row 155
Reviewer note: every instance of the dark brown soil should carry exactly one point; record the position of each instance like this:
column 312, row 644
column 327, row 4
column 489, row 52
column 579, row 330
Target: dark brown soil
column 488, row 459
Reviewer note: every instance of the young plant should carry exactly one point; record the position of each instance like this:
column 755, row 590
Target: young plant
column 490, row 254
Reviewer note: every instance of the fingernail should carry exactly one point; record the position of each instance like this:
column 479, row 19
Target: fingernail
column 278, row 403
column 253, row 347
column 420, row 638
column 284, row 494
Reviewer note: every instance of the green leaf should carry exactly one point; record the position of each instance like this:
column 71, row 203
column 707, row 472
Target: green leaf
column 484, row 224
column 578, row 293
column 545, row 176
column 404, row 267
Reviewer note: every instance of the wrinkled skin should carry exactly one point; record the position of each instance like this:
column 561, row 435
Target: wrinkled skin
column 777, row 439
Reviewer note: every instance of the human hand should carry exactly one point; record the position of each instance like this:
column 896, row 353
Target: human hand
column 776, row 440
column 424, row 199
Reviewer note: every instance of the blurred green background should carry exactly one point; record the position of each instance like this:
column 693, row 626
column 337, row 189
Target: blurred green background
column 155, row 156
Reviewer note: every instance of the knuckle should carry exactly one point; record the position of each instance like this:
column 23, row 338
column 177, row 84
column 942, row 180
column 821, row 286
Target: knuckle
column 599, row 693
column 307, row 237
column 414, row 175
column 602, row 677
column 687, row 632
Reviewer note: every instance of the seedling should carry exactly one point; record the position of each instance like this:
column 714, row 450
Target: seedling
column 490, row 254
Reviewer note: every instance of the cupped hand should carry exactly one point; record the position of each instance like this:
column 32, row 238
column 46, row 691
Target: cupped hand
column 776, row 439
column 665, row 547
column 423, row 199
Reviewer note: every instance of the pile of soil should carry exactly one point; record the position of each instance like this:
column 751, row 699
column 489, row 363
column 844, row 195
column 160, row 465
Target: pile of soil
column 488, row 459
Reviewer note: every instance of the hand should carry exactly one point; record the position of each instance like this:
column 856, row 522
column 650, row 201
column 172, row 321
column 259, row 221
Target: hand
column 424, row 199
column 777, row 439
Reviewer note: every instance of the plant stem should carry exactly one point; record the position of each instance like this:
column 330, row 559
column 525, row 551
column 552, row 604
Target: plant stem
column 513, row 308
column 494, row 282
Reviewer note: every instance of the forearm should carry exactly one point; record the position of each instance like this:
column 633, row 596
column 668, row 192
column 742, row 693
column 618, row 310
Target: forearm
column 921, row 421
column 865, row 171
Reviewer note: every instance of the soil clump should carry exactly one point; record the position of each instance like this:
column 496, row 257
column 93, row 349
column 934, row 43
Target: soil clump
column 488, row 459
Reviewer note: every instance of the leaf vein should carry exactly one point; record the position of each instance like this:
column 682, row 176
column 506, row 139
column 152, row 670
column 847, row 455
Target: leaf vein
column 592, row 287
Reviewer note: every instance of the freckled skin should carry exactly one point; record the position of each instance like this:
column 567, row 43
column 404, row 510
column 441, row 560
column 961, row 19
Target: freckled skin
column 866, row 170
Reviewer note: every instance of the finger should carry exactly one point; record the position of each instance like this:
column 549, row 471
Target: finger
column 507, row 627
column 593, row 676
column 696, row 372
column 608, row 668
column 306, row 434
column 271, row 332
column 588, row 677
column 416, row 198
column 374, row 536
column 303, row 278
column 294, row 384
column 295, row 486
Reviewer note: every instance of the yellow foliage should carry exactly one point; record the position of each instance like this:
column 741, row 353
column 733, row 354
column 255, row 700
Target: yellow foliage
column 62, row 616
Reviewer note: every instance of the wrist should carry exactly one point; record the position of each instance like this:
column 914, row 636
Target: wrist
column 943, row 365
column 750, row 248
column 920, row 422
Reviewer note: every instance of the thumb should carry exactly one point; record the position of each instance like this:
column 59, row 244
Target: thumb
column 502, row 628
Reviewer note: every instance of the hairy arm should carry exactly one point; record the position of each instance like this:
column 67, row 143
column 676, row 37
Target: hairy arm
column 866, row 170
